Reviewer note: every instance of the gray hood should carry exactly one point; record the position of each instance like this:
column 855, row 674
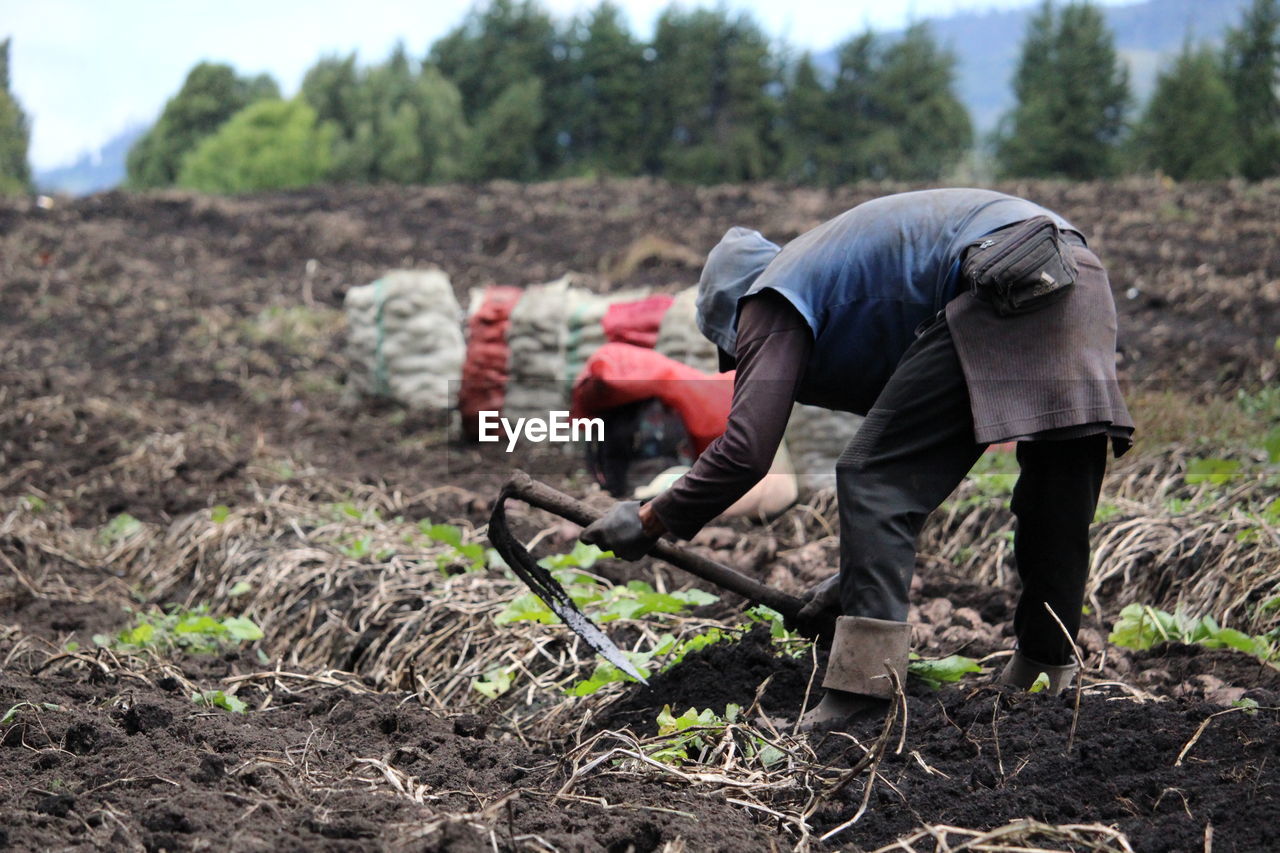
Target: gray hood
column 732, row 267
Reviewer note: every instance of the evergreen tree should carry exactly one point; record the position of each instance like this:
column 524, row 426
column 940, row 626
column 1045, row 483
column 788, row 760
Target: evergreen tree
column 920, row 125
column 211, row 94
column 506, row 42
column 891, row 112
column 1072, row 94
column 442, row 129
column 1188, row 128
column 603, row 114
column 389, row 122
column 1252, row 61
column 807, row 121
column 504, row 142
column 332, row 88
column 712, row 105
column 15, row 135
column 504, row 45
column 852, row 101
column 270, row 144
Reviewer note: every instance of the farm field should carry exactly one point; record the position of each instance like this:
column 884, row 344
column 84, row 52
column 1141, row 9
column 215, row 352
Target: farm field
column 240, row 610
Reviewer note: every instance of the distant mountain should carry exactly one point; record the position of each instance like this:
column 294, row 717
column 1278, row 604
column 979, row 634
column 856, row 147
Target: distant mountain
column 987, row 45
column 100, row 170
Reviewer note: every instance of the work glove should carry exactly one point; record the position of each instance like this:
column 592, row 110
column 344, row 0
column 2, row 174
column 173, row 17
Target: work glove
column 619, row 530
column 821, row 608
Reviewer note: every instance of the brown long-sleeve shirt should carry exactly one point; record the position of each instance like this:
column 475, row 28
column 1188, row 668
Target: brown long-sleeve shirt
column 773, row 347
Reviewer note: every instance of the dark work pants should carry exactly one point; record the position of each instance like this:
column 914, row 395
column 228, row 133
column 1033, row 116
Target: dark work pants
column 913, row 449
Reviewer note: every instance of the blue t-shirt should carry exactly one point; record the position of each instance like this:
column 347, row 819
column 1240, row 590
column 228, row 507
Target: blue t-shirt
column 865, row 280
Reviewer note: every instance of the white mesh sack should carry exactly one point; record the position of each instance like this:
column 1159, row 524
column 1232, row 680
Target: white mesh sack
column 816, row 437
column 406, row 338
column 679, row 338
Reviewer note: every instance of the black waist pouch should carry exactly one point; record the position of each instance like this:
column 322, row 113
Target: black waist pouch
column 1020, row 268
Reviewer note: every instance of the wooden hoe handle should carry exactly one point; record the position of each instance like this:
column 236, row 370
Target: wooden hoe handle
column 534, row 493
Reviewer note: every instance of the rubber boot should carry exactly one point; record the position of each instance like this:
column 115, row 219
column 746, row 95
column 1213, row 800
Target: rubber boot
column 857, row 681
column 1021, row 671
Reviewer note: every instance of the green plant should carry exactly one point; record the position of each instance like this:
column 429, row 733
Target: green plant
column 936, row 672
column 603, row 603
column 1271, row 444
column 472, row 556
column 15, row 710
column 495, row 682
column 582, row 556
column 1215, row 472
column 791, row 642
column 349, row 511
column 359, row 547
column 993, row 477
column 192, row 630
column 667, row 648
column 1106, row 511
column 693, row 729
column 219, row 699
column 1141, row 627
column 118, row 529
column 680, row 736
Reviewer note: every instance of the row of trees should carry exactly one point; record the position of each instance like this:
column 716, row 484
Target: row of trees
column 15, row 133
column 512, row 93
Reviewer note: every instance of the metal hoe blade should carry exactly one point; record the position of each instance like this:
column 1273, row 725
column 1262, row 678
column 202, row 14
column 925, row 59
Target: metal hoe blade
column 547, row 588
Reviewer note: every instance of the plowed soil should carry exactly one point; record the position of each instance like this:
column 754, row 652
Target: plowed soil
column 165, row 354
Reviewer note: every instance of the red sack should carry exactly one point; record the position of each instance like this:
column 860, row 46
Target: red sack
column 484, row 372
column 618, row 374
column 636, row 322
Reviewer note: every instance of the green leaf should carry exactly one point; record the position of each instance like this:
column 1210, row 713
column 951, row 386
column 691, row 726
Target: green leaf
column 1133, row 629
column 1272, row 445
column 139, row 635
column 496, row 682
column 607, row 673
column 582, row 556
column 119, row 528
column 526, row 608
column 696, row 597
column 219, row 699
column 239, row 589
column 203, row 625
column 446, row 534
column 219, row 513
column 943, row 670
column 668, row 724
column 770, row 755
column 11, row 714
column 1216, row 472
column 1238, row 640
column 242, row 629
column 348, row 509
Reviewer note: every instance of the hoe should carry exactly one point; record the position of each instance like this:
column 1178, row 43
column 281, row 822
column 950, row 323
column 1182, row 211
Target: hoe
column 546, row 587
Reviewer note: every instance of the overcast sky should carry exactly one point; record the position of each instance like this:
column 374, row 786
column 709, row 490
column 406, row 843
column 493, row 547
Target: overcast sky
column 86, row 69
